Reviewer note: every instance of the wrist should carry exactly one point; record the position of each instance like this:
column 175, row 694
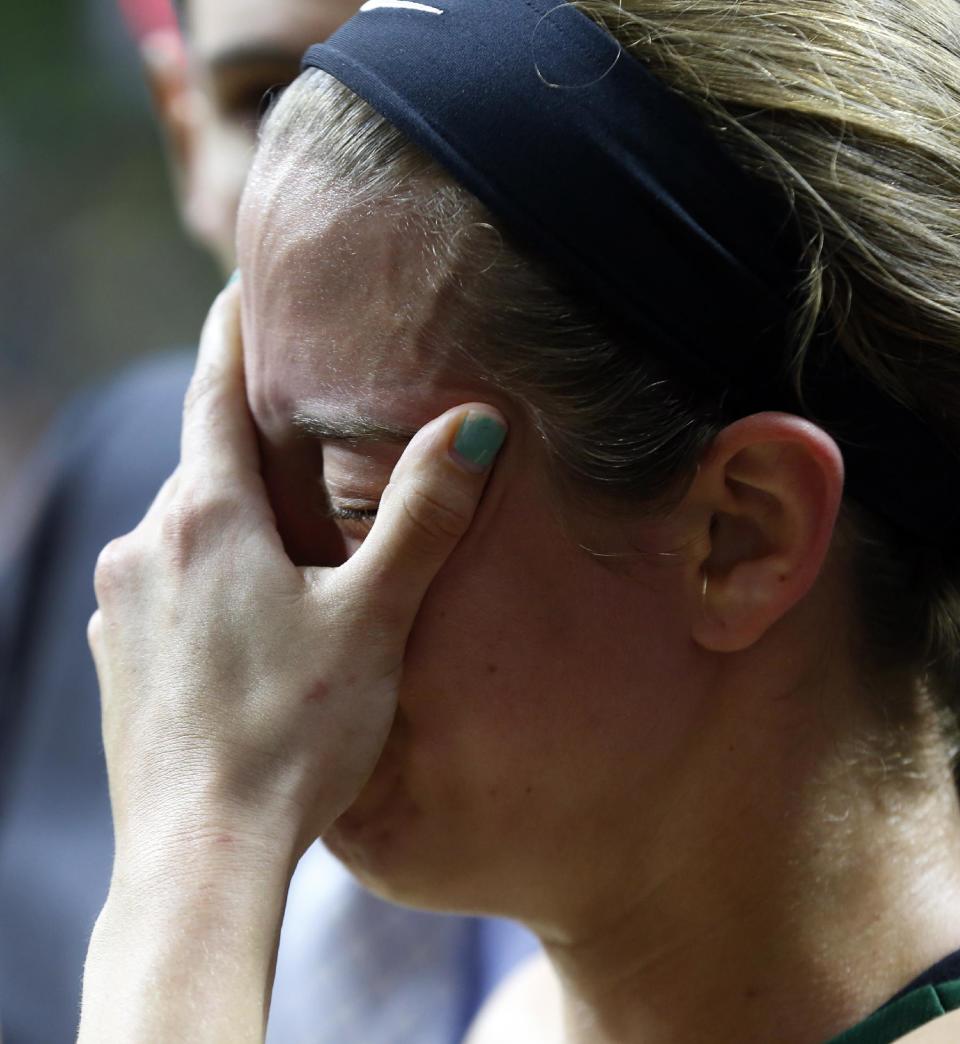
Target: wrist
column 175, row 862
column 185, row 945
column 189, row 826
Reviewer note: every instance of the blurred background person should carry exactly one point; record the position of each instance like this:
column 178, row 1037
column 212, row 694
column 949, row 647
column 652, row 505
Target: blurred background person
column 349, row 964
column 94, row 267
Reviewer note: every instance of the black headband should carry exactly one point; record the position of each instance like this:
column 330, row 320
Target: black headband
column 594, row 164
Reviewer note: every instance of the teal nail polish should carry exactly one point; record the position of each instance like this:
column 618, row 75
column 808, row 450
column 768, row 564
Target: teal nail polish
column 234, row 276
column 478, row 440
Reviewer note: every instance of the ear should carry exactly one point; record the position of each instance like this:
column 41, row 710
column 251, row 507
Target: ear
column 165, row 64
column 767, row 496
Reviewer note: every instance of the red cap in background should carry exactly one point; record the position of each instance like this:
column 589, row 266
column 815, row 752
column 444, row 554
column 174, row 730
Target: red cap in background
column 144, row 17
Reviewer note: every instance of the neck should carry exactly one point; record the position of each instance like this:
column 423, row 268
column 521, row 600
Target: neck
column 789, row 911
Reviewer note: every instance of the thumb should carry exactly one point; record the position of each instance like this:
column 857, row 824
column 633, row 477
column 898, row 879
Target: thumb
column 427, row 506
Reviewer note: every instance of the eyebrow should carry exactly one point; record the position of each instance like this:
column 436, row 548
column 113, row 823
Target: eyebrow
column 253, row 54
column 351, row 428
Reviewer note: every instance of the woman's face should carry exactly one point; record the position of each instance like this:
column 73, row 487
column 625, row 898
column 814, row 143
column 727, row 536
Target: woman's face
column 544, row 699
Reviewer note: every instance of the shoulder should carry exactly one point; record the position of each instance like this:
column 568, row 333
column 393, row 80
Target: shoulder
column 127, row 431
column 526, row 1006
column 118, row 438
column 945, row 1030
column 91, row 478
column 149, row 393
column 136, row 409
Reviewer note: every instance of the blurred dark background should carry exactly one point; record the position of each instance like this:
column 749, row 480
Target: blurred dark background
column 94, row 269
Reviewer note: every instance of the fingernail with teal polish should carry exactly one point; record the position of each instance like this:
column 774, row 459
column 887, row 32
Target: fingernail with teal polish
column 478, row 440
column 235, row 275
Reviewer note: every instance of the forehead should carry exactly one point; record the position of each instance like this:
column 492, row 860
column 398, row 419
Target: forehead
column 223, row 26
column 343, row 303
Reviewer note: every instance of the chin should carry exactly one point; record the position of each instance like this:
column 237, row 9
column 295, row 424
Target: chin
column 391, row 853
column 375, row 838
column 401, row 853
column 426, row 861
column 425, row 832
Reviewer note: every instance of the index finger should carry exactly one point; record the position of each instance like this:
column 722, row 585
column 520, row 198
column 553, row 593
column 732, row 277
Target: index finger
column 218, row 433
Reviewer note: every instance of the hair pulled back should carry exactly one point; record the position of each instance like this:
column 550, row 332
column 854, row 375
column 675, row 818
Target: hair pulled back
column 850, row 108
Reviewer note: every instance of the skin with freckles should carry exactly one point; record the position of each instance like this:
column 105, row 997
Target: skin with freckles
column 645, row 768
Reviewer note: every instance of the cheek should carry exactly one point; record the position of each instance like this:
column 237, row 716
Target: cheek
column 531, row 665
column 537, row 676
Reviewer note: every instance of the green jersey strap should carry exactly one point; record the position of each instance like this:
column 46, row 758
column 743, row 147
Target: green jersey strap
column 901, row 1016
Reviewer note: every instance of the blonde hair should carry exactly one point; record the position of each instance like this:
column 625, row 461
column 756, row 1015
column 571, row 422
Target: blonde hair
column 850, row 108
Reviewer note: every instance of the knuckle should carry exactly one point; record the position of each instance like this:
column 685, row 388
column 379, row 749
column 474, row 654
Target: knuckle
column 192, row 522
column 95, row 632
column 431, row 519
column 114, row 565
column 190, row 519
column 95, row 627
column 181, row 529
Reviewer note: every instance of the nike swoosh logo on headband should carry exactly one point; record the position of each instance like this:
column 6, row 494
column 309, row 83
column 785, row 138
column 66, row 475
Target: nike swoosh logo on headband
column 406, row 5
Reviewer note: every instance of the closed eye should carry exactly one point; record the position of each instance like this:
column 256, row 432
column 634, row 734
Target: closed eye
column 351, row 514
column 354, row 523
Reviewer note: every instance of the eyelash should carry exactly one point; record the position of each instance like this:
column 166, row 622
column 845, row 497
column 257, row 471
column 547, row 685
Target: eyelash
column 349, row 514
